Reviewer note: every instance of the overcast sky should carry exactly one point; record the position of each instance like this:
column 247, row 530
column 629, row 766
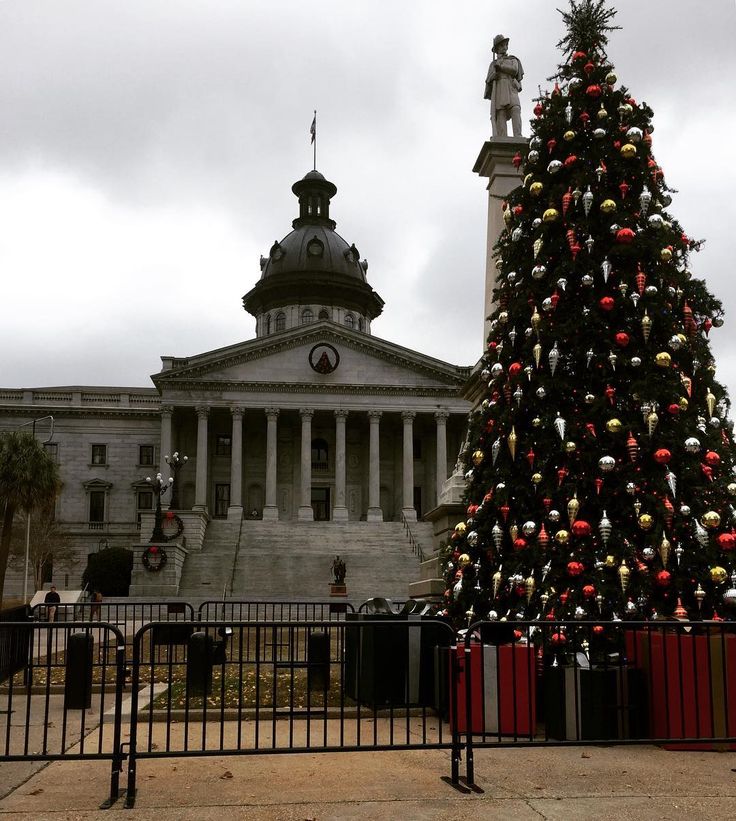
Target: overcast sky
column 148, row 147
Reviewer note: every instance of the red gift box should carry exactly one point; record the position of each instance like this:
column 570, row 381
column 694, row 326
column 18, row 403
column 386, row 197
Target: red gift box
column 502, row 690
column 691, row 682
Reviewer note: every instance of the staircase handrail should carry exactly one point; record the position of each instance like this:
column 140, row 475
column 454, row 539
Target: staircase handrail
column 415, row 546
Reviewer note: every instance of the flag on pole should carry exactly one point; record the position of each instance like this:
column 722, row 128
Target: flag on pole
column 313, row 128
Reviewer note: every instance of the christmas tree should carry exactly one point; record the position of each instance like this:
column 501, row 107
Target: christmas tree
column 600, row 461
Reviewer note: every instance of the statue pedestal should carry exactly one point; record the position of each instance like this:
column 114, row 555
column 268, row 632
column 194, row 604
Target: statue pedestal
column 495, row 162
column 338, row 590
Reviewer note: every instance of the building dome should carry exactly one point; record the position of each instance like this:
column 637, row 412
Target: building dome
column 313, row 269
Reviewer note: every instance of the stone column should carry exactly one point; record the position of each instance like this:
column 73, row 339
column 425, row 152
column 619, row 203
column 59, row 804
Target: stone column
column 495, row 162
column 200, row 488
column 306, row 513
column 235, row 509
column 167, row 413
column 375, row 514
column 270, row 509
column 441, row 417
column 339, row 509
column 408, row 509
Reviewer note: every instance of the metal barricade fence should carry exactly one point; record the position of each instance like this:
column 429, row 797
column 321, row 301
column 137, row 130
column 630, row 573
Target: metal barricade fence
column 241, row 610
column 279, row 687
column 65, row 701
column 584, row 683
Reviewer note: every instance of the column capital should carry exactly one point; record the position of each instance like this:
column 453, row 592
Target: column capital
column 408, row 415
column 271, row 413
column 306, row 413
column 167, row 410
column 237, row 411
column 341, row 413
column 375, row 415
column 203, row 411
column 441, row 416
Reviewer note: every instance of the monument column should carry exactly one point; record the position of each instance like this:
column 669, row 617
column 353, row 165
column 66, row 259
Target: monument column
column 306, row 514
column 167, row 413
column 200, row 487
column 235, row 509
column 408, row 509
column 339, row 510
column 270, row 509
column 441, row 417
column 375, row 514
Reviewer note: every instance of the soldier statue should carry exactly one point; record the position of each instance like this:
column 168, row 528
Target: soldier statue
column 503, row 84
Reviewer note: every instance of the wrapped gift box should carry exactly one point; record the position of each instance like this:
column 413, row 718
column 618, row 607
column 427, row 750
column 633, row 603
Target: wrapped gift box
column 691, row 684
column 502, row 690
column 598, row 703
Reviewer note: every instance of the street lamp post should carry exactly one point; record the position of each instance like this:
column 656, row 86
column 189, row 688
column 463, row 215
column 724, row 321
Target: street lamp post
column 159, row 488
column 176, row 463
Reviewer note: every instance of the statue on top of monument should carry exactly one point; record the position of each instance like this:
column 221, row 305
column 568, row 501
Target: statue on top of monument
column 503, row 84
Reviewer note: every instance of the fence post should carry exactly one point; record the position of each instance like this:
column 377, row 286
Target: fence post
column 117, row 759
column 469, row 763
column 130, row 790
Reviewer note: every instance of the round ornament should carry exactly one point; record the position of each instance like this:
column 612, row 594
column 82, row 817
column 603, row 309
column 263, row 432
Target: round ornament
column 614, row 425
column 536, row 188
column 581, row 528
column 663, row 359
column 628, row 151
column 718, row 575
column 562, row 537
column 646, row 522
column 574, row 568
column 692, row 445
column 606, row 464
column 711, row 520
column 477, row 457
column 608, row 206
column 662, row 456
column 625, row 236
column 712, row 458
column 551, row 215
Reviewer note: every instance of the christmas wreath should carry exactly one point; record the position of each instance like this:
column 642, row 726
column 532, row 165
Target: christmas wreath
column 154, row 558
column 172, row 526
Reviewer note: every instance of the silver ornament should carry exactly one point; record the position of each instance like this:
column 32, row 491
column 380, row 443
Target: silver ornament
column 685, row 510
column 644, row 199
column 655, row 221
column 548, row 305
column 539, row 271
column 541, row 393
column 729, row 597
column 472, row 538
column 648, row 553
column 554, row 166
column 496, row 370
column 528, row 528
column 516, row 234
column 588, row 201
column 497, row 534
column 672, row 482
column 586, row 280
column 562, row 283
column 554, row 358
column 606, row 464
column 605, row 527
column 495, row 450
column 701, row 534
column 692, row 445
column 606, row 268
column 532, row 157
column 635, row 361
column 560, row 427
column 554, row 516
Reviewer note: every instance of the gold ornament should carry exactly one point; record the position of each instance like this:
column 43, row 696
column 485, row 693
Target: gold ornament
column 608, row 206
column 665, row 254
column 568, row 136
column 511, row 439
column 711, row 520
column 537, row 351
column 611, row 78
column 623, row 575
column 683, row 403
column 477, row 457
column 496, row 583
column 550, row 215
column 503, row 317
column 570, row 447
column 602, row 113
column 663, row 359
column 529, row 586
column 460, row 528
column 536, row 189
column 463, row 560
column 537, row 246
column 710, row 402
column 514, row 532
column 573, row 507
column 536, row 422
column 562, row 537
column 614, row 426
column 646, row 326
column 628, row 151
column 646, row 522
column 536, row 478
column 664, row 550
column 652, row 421
column 536, row 319
column 699, row 595
column 610, row 561
column 718, row 575
column 507, row 217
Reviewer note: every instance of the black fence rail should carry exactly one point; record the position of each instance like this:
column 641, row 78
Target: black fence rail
column 321, row 686
column 555, row 683
column 61, row 705
column 237, row 610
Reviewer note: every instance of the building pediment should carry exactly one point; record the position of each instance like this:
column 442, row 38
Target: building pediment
column 322, row 354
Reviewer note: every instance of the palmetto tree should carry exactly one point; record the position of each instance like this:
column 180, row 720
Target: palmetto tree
column 29, row 479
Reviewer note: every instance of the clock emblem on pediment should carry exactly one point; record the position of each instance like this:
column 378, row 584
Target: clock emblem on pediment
column 324, row 358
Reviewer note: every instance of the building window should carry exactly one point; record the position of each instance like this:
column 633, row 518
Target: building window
column 307, row 316
column 360, row 323
column 222, row 501
column 143, row 503
column 52, row 450
column 223, row 445
column 268, row 324
column 319, row 455
column 323, row 314
column 349, row 320
column 280, row 321
column 145, row 455
column 99, row 454
column 97, row 507
column 417, row 443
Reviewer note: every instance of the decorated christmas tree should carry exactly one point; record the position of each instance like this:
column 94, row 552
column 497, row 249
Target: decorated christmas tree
column 600, row 460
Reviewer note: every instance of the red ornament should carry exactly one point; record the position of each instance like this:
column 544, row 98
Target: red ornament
column 594, row 91
column 712, row 459
column 574, row 569
column 505, row 512
column 488, row 497
column 561, row 474
column 515, row 369
column 726, row 541
column 598, row 485
column 566, row 200
column 607, row 303
column 516, row 160
column 663, row 578
column 170, row 514
column 518, row 210
column 624, row 189
column 610, row 393
column 519, row 544
column 707, row 325
column 662, row 456
column 538, row 110
column 688, row 321
column 558, row 638
column 707, row 471
column 472, row 510
column 625, row 236
column 622, row 339
column 551, row 145
column 543, row 538
column 674, row 409
column 632, row 447
column 580, row 55
column 598, row 629
column 590, row 427
column 589, row 68
column 588, row 591
column 530, row 458
column 581, row 528
column 585, row 117
column 641, row 281
column 570, row 161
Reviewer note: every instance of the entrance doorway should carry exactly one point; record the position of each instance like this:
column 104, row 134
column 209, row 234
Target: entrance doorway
column 222, row 500
column 321, row 504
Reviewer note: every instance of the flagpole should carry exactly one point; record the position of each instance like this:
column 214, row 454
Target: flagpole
column 314, row 141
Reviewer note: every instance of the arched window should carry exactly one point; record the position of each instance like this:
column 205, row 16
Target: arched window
column 360, row 323
column 319, row 455
column 349, row 320
column 280, row 321
column 268, row 324
column 323, row 314
column 307, row 316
